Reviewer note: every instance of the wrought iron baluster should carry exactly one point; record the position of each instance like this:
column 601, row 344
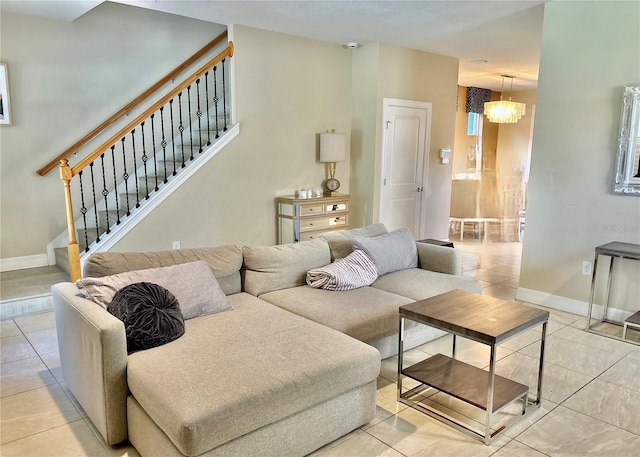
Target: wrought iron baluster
column 95, row 203
column 105, row 193
column 83, row 210
column 125, row 176
column 155, row 158
column 115, row 184
column 224, row 95
column 199, row 114
column 190, row 122
column 173, row 141
column 163, row 143
column 181, row 127
column 135, row 166
column 145, row 158
column 216, row 100
column 206, row 97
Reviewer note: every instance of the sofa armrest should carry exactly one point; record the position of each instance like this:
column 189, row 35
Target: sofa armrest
column 439, row 258
column 93, row 354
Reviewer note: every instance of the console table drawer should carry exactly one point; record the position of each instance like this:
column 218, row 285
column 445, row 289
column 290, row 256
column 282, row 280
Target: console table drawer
column 336, row 207
column 323, row 222
column 306, row 236
column 311, row 209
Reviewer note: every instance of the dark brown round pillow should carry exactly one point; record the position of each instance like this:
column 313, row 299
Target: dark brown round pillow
column 151, row 315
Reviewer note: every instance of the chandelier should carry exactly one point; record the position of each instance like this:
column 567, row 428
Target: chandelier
column 505, row 112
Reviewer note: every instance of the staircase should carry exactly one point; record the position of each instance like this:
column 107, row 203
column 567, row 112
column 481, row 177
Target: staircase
column 114, row 223
column 113, row 187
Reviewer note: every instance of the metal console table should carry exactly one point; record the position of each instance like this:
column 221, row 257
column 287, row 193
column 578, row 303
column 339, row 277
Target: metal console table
column 615, row 250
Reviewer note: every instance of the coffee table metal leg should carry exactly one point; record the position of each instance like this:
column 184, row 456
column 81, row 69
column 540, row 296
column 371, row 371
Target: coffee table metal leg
column 492, row 376
column 541, row 367
column 453, row 348
column 400, row 357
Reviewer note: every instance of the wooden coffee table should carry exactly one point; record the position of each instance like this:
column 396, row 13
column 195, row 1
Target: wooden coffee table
column 479, row 318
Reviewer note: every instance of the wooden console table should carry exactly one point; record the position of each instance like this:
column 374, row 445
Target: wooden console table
column 615, row 250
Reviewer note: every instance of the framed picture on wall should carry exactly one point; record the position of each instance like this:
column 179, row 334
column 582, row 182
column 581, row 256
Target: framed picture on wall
column 5, row 107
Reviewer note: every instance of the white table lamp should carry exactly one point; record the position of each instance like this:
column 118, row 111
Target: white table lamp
column 333, row 148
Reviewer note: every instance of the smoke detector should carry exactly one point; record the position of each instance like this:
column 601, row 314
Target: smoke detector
column 352, row 44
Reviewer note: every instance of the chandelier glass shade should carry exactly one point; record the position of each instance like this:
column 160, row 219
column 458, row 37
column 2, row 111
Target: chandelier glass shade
column 503, row 111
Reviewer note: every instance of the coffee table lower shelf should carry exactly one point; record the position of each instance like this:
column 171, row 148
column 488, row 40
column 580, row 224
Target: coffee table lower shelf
column 465, row 382
column 469, row 384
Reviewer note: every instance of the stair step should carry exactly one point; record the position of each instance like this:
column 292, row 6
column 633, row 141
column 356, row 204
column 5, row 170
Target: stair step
column 133, row 200
column 91, row 236
column 113, row 218
column 62, row 259
column 151, row 182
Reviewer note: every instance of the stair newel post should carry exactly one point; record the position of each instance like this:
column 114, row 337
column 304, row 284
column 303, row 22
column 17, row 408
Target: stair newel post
column 73, row 248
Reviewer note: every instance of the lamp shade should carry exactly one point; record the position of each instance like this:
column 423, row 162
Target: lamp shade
column 504, row 112
column 333, row 147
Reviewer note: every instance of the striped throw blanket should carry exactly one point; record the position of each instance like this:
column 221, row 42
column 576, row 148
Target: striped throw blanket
column 354, row 271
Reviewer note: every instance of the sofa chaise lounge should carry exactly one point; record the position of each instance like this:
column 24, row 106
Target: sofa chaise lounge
column 284, row 372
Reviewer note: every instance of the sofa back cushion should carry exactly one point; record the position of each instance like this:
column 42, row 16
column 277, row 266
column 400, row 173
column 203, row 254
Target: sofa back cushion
column 269, row 268
column 193, row 284
column 340, row 242
column 225, row 263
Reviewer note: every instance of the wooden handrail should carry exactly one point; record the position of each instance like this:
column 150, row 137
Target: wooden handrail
column 127, row 108
column 227, row 52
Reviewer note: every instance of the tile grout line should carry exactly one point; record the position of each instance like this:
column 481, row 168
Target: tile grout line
column 38, row 433
column 389, row 446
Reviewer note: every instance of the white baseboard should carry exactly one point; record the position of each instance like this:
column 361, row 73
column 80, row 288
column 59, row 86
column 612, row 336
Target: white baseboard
column 20, row 263
column 569, row 305
column 21, row 306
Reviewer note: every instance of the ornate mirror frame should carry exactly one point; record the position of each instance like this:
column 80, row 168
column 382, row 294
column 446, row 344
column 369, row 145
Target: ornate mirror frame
column 627, row 173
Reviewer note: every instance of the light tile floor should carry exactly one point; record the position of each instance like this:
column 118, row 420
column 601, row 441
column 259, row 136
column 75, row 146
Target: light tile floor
column 591, row 390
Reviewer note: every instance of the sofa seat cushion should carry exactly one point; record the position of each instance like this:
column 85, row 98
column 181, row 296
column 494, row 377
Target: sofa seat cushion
column 234, row 372
column 365, row 313
column 419, row 284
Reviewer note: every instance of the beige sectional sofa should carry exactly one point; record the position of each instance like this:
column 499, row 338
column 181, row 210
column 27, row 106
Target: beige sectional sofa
column 284, row 372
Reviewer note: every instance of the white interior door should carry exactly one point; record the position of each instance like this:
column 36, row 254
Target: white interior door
column 404, row 164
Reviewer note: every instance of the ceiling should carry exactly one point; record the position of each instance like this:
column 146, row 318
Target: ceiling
column 491, row 38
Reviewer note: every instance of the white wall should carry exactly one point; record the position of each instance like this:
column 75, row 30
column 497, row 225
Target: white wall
column 288, row 90
column 387, row 71
column 365, row 138
column 65, row 79
column 590, row 50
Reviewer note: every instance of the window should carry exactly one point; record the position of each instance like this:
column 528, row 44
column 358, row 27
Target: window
column 474, row 121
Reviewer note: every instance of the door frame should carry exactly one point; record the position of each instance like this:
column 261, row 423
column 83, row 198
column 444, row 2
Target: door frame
column 427, row 106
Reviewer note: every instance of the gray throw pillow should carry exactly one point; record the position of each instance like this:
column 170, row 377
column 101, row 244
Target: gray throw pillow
column 193, row 284
column 340, row 242
column 150, row 313
column 389, row 252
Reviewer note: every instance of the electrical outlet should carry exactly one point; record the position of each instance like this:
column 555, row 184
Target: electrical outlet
column 587, row 268
column 175, row 245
